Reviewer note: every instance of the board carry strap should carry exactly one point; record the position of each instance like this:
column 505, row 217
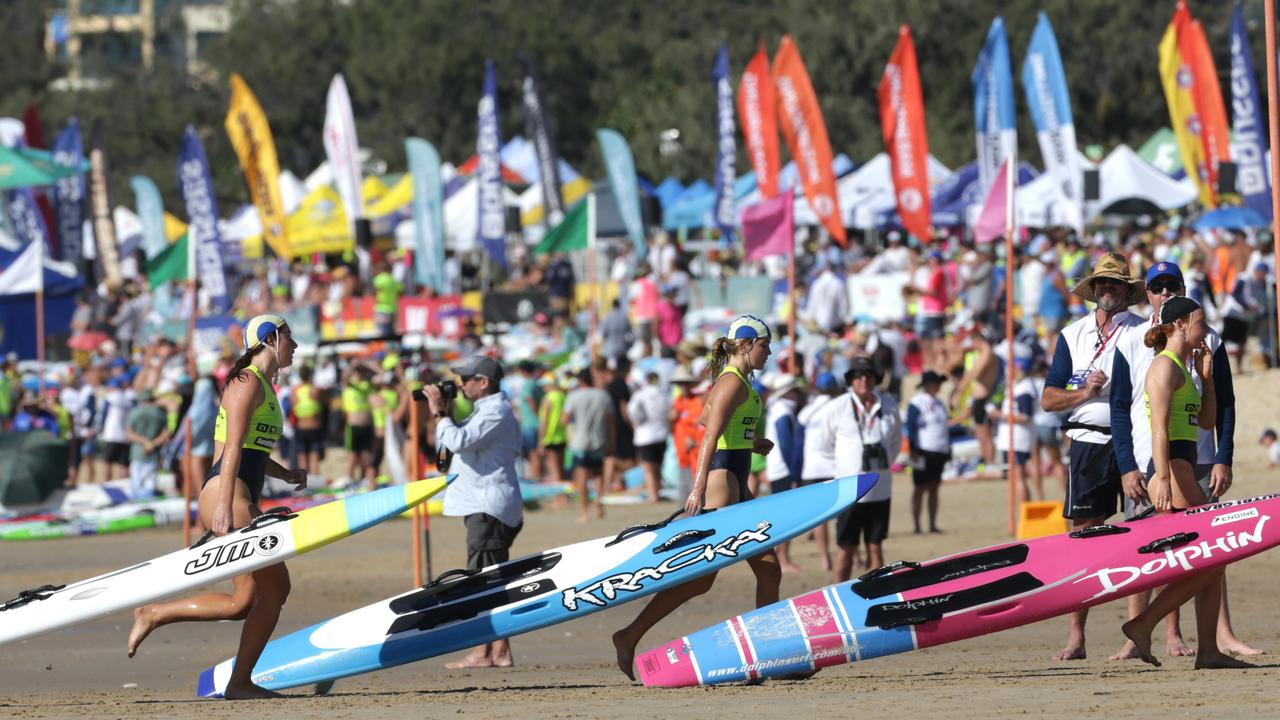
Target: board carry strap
column 44, row 592
column 927, row 609
column 274, row 515
column 1166, row 543
column 1099, row 531
column 942, row 571
column 637, row 529
column 887, row 569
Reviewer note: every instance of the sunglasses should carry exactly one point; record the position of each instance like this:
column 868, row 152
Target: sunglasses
column 467, row 378
column 862, row 374
column 1160, row 286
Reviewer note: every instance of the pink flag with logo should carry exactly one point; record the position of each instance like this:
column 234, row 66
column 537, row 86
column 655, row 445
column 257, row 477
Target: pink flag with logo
column 767, row 227
column 992, row 221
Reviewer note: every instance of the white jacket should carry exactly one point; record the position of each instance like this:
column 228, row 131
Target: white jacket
column 846, row 425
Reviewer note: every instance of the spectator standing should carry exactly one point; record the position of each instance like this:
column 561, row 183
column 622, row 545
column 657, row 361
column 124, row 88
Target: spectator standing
column 147, row 428
column 1015, row 413
column 929, row 438
column 116, row 405
column 644, row 307
column 386, row 296
column 649, row 410
column 686, row 431
column 616, row 335
column 560, row 281
column 1268, row 443
column 622, row 450
column 785, row 465
column 589, row 413
column 553, row 434
column 828, row 300
column 670, row 329
column 932, row 286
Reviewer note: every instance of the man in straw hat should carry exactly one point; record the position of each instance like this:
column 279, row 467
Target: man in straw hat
column 1077, row 384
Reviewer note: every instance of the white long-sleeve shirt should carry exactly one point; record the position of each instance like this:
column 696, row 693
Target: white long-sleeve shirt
column 849, row 426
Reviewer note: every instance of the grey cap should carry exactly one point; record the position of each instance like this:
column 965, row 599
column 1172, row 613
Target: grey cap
column 479, row 365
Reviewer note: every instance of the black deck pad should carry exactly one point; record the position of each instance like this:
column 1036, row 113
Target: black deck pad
column 437, row 594
column 434, row 617
column 956, row 567
column 919, row 610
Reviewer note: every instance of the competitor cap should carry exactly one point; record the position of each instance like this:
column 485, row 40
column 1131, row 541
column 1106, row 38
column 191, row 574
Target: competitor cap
column 748, row 327
column 260, row 327
column 1177, row 307
column 1164, row 269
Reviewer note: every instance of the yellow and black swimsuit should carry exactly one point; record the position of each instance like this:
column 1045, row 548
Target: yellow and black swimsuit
column 260, row 439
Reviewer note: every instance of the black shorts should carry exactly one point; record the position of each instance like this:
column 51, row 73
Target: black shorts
column 1235, row 330
column 376, row 451
column 489, row 540
column 116, row 453
column 558, row 447
column 360, row 438
column 310, row 440
column 737, row 462
column 934, row 463
column 589, row 461
column 651, row 453
column 1093, row 481
column 783, row 485
column 978, row 411
column 863, row 521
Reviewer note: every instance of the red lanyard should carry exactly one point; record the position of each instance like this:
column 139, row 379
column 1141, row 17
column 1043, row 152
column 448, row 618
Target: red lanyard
column 1103, row 345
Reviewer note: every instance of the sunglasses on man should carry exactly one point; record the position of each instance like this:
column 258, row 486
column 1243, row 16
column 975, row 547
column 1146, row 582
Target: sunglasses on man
column 1160, row 286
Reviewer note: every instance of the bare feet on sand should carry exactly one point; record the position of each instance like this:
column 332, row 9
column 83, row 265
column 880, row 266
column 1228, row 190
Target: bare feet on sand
column 248, row 691
column 1177, row 647
column 1070, row 652
column 144, row 621
column 474, row 661
column 1221, row 662
column 1128, row 652
column 1236, row 646
column 791, row 568
column 1141, row 643
column 626, row 655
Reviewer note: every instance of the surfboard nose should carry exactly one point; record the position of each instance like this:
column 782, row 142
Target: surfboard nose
column 866, row 481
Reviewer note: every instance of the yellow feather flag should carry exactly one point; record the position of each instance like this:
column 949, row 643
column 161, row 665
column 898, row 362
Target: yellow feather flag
column 1177, row 79
column 251, row 137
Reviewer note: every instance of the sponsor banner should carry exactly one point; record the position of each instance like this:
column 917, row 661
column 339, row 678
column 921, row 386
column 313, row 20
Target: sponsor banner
column 342, row 149
column 437, row 317
column 28, row 222
column 510, row 308
column 251, row 137
column 541, row 131
column 621, row 168
column 806, row 136
column 1177, row 80
column 492, row 228
column 1249, row 147
column 350, row 319
column 1045, row 84
column 878, row 297
column 196, row 185
column 1212, row 114
column 757, row 107
column 992, row 82
column 724, row 209
column 104, row 227
column 150, row 214
column 905, row 140
column 428, row 212
column 68, row 151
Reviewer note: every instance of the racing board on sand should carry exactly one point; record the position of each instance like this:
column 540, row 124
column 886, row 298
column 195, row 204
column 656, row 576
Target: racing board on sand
column 461, row 609
column 905, row 606
column 269, row 539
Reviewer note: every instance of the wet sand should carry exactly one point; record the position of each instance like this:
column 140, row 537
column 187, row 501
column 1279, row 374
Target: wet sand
column 568, row 671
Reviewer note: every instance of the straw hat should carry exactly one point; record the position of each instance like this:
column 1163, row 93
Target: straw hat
column 1115, row 267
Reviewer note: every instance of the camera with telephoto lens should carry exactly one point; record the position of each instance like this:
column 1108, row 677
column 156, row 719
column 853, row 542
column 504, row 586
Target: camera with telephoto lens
column 448, row 391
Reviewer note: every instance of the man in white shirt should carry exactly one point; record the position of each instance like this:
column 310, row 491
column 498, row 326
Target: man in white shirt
column 819, row 449
column 1078, row 383
column 785, row 464
column 828, row 305
column 649, row 409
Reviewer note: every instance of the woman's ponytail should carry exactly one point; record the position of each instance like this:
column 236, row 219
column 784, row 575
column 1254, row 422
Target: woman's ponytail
column 1157, row 337
column 243, row 362
column 720, row 351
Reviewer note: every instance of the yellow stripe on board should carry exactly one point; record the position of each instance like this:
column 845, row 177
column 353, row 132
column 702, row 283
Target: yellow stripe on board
column 320, row 525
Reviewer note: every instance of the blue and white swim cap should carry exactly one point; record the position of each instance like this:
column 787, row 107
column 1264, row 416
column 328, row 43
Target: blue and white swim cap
column 260, row 327
column 748, row 327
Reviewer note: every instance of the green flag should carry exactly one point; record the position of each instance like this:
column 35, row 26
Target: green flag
column 573, row 233
column 168, row 264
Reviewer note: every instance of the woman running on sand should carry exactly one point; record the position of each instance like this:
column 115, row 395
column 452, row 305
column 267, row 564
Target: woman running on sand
column 1177, row 410
column 248, row 427
column 732, row 417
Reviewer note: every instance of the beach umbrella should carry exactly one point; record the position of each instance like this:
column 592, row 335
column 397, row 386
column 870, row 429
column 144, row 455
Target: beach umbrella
column 32, row 465
column 88, row 340
column 1230, row 217
column 23, row 167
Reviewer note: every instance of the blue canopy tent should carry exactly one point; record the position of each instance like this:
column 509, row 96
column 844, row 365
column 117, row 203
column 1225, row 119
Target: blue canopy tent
column 18, row 309
column 952, row 199
column 695, row 210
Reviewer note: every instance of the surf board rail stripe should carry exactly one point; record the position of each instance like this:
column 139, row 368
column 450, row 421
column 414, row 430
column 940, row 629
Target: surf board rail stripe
column 269, row 539
column 543, row 589
column 1056, row 575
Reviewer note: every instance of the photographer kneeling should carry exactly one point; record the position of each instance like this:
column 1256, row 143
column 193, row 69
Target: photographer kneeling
column 486, row 493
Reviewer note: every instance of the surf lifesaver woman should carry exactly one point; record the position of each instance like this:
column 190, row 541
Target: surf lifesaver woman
column 732, row 416
column 248, row 427
column 1177, row 410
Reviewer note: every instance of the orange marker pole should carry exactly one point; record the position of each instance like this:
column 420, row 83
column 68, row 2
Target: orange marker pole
column 415, row 467
column 1273, row 113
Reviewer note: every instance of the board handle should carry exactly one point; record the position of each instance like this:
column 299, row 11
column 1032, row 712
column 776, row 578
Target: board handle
column 913, row 620
column 1173, row 541
column 26, row 596
column 270, row 517
column 637, row 529
column 1099, row 531
column 886, row 569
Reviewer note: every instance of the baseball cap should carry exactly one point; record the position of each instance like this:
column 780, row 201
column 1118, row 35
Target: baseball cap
column 748, row 327
column 1165, row 269
column 930, row 376
column 479, row 365
column 260, row 327
column 826, row 382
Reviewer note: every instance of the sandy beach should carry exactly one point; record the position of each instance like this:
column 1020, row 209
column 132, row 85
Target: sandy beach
column 568, row 671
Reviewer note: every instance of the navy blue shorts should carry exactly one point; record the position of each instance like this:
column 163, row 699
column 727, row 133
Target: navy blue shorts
column 738, row 463
column 1093, row 481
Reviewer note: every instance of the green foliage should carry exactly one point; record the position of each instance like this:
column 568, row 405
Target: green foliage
column 415, row 68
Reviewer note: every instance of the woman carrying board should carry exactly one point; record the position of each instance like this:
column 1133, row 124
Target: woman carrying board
column 248, row 427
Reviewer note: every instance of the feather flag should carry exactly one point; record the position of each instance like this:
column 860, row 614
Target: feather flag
column 620, row 166
column 104, row 226
column 806, row 135
column 1214, row 137
column 724, row 209
column 992, row 223
column 68, row 151
column 150, row 214
column 1177, row 79
column 1250, row 145
column 342, row 149
column 768, row 227
column 993, row 112
column 757, row 106
column 1045, row 84
column 196, row 185
column 493, row 212
column 538, row 125
column 428, row 212
column 905, row 139
column 251, row 137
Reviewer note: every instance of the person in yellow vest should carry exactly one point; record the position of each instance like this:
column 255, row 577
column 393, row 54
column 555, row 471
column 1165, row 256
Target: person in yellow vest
column 359, row 416
column 386, row 296
column 308, row 422
column 248, row 428
column 732, row 416
column 384, row 402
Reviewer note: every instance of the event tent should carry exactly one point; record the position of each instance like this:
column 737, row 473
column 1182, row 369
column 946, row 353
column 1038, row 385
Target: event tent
column 1129, row 185
column 953, row 198
column 867, row 192
column 695, row 209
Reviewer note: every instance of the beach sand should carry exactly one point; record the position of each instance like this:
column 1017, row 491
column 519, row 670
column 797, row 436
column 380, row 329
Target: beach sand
column 568, row 671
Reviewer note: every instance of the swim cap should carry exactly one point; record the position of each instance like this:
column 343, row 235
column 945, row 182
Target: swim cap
column 748, row 327
column 258, row 329
column 1176, row 308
